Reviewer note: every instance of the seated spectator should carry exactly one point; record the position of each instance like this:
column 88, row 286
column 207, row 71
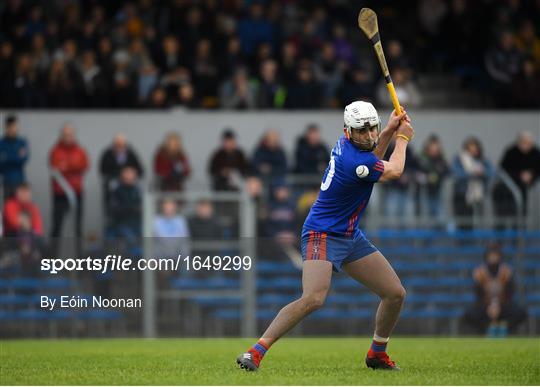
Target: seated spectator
column 228, row 165
column 71, row 160
column 524, row 88
column 357, row 85
column 254, row 29
column 203, row 225
column 312, row 155
column 503, row 63
column 238, row 92
column 114, row 159
column 20, row 214
column 495, row 311
column 94, row 81
column 124, row 89
column 205, row 73
column 521, row 162
column 171, row 229
column 528, row 42
column 157, row 99
column 270, row 92
column 305, row 92
column 186, row 96
column 330, row 72
column 142, row 64
column 171, row 164
column 64, row 86
column 472, row 172
column 124, row 208
column 433, row 169
column 14, row 153
column 269, row 160
column 281, row 213
column 406, row 89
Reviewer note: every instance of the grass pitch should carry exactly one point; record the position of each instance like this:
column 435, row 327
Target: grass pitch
column 302, row 361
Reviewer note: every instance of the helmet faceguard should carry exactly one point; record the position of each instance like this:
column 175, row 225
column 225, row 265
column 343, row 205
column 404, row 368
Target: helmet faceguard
column 365, row 146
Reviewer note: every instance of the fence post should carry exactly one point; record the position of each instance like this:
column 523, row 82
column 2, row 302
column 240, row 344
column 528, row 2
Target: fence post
column 149, row 280
column 249, row 286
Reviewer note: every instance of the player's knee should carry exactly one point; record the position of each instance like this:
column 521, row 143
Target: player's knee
column 396, row 295
column 399, row 294
column 313, row 301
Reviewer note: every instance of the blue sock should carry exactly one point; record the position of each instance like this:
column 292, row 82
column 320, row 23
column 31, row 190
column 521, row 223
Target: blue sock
column 377, row 346
column 260, row 347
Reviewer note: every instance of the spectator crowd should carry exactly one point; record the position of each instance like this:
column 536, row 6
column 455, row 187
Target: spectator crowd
column 260, row 54
column 283, row 189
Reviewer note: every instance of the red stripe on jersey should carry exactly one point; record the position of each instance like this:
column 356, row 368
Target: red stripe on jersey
column 353, row 218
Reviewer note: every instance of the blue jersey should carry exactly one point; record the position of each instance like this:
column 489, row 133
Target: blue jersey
column 345, row 190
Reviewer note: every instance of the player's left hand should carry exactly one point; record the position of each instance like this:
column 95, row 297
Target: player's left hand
column 395, row 119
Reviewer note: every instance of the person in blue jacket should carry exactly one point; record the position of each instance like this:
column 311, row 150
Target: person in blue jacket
column 14, row 153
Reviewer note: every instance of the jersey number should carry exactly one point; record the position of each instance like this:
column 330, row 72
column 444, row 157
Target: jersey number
column 326, row 183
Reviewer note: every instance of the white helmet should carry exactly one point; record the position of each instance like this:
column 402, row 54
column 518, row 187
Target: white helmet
column 360, row 114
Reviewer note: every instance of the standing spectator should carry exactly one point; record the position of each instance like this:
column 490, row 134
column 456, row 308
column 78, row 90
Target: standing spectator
column 522, row 163
column 433, row 169
column 20, row 211
column 399, row 199
column 312, row 155
column 71, row 160
column 171, row 164
column 14, row 154
column 113, row 160
column 238, row 92
column 124, row 208
column 471, row 171
column 269, row 160
column 495, row 308
column 172, row 230
column 228, row 164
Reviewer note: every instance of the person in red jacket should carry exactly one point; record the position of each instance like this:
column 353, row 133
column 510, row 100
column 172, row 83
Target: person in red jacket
column 21, row 214
column 71, row 160
column 171, row 164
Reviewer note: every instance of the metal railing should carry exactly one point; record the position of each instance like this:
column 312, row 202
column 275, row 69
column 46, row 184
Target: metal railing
column 246, row 244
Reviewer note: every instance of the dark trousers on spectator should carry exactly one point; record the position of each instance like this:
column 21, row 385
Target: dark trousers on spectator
column 513, row 314
column 61, row 209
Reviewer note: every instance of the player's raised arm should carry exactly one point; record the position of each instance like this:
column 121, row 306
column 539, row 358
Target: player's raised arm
column 393, row 168
column 388, row 132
